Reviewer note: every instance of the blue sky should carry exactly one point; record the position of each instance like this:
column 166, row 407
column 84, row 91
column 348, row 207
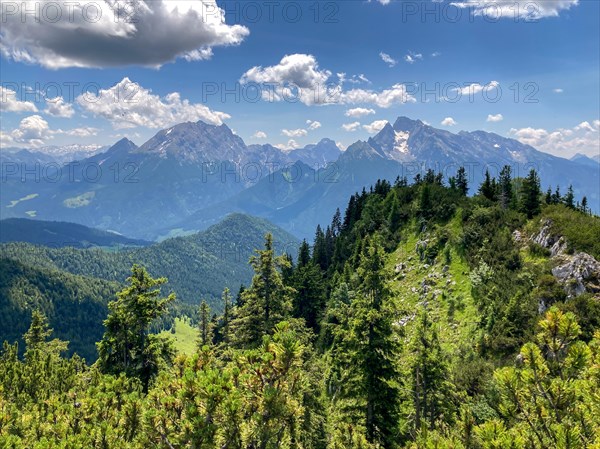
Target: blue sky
column 520, row 69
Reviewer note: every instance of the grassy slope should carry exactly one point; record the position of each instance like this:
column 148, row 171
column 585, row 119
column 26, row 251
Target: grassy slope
column 448, row 300
column 185, row 336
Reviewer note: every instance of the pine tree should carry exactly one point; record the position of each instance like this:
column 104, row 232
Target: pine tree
column 336, row 223
column 431, row 389
column 425, row 202
column 569, row 199
column 487, row 188
column 36, row 337
column 227, row 312
column 127, row 346
column 395, row 215
column 304, row 254
column 548, row 198
column 310, row 293
column 370, row 349
column 38, row 331
column 320, row 249
column 584, row 205
column 266, row 302
column 556, row 197
column 505, row 187
column 205, row 325
column 430, row 177
column 530, row 195
column 462, row 183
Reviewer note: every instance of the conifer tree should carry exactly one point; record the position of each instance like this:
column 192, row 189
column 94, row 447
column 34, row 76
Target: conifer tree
column 505, row 187
column 336, row 223
column 432, row 392
column 487, row 188
column 227, row 312
column 531, row 194
column 36, row 337
column 38, row 331
column 556, row 197
column 395, row 215
column 309, row 286
column 320, row 249
column 205, row 325
column 548, row 198
column 369, row 351
column 584, row 205
column 462, row 183
column 127, row 345
column 425, row 202
column 266, row 302
column 569, row 199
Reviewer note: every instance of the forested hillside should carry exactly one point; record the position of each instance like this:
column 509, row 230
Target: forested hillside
column 198, row 266
column 74, row 305
column 418, row 318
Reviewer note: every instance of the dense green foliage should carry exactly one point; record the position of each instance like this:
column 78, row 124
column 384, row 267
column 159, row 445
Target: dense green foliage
column 197, row 266
column 416, row 320
column 75, row 305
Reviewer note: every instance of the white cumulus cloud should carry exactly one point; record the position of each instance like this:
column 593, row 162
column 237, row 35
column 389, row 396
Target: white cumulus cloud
column 375, row 126
column 312, row 125
column 34, row 131
column 109, row 33
column 475, row 88
column 260, row 135
column 57, row 107
column 294, row 132
column 351, row 127
column 127, row 105
column 10, row 103
column 359, row 112
column 448, row 121
column 298, row 77
column 386, row 98
column 583, row 138
column 495, row 118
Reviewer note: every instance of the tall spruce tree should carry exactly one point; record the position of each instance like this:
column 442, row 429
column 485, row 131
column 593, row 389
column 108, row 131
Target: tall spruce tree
column 266, row 302
column 462, row 183
column 38, row 331
column 227, row 312
column 36, row 337
column 320, row 249
column 433, row 395
column 127, row 345
column 584, row 205
column 531, row 193
column 569, row 198
column 505, row 187
column 488, row 188
column 370, row 350
column 310, row 293
column 205, row 328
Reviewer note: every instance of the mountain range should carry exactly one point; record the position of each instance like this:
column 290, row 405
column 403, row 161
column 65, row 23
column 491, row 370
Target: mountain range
column 55, row 234
column 57, row 154
column 192, row 175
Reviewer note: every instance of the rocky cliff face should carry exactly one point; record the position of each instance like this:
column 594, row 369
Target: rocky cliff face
column 578, row 272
